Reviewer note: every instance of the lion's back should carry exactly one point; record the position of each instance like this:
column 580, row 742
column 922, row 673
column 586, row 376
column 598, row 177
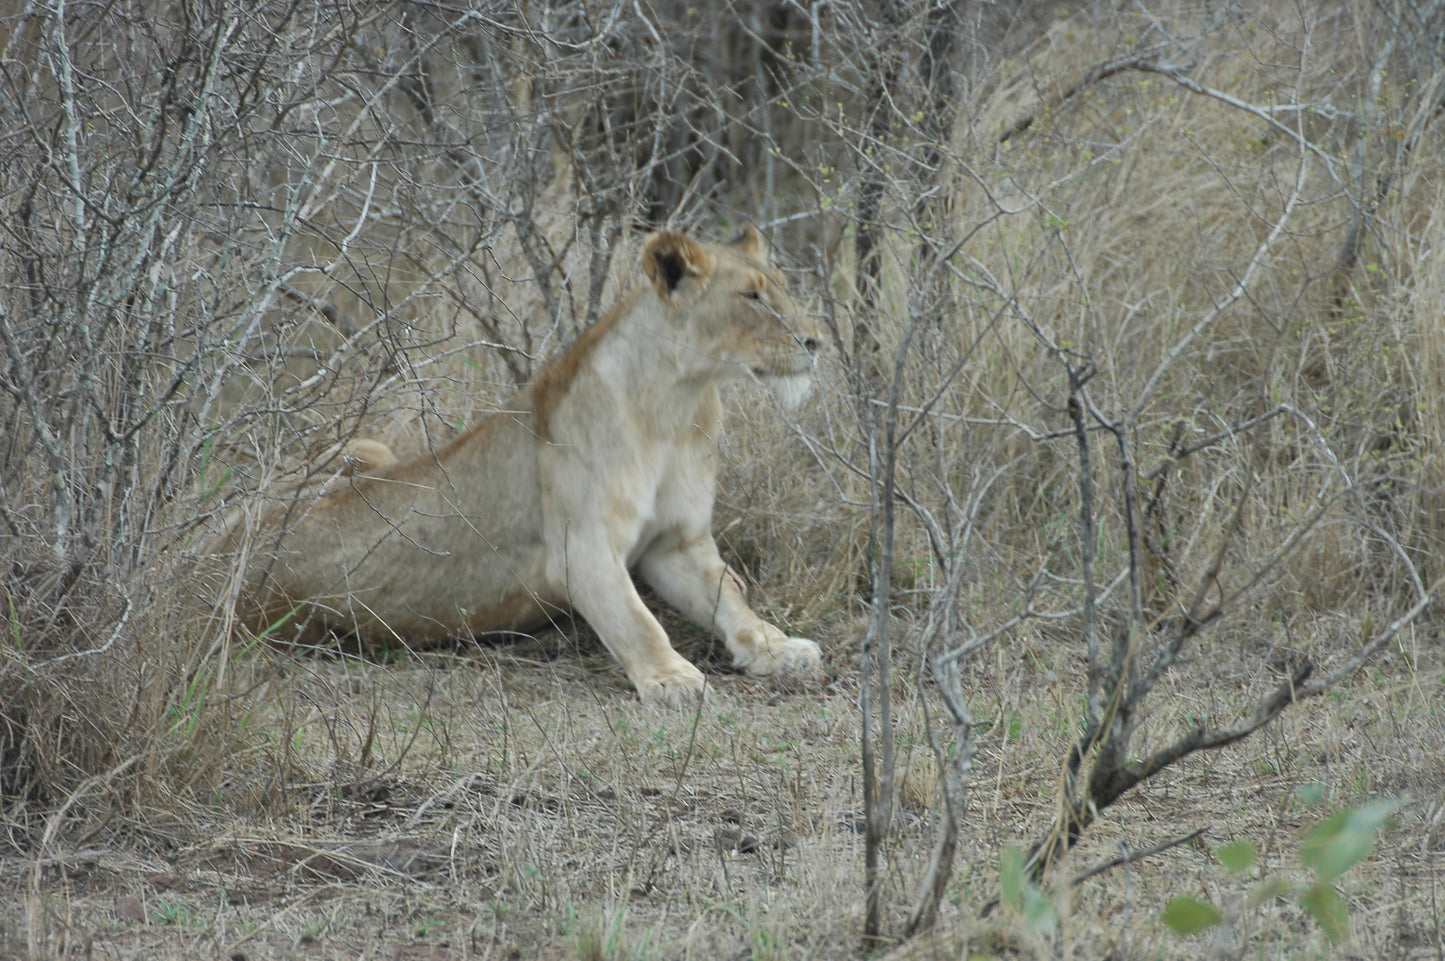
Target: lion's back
column 445, row 544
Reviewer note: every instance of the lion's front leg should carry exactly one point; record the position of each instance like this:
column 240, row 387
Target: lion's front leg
column 692, row 577
column 601, row 590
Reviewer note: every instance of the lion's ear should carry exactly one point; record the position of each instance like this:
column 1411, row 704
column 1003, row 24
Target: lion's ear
column 750, row 244
column 670, row 258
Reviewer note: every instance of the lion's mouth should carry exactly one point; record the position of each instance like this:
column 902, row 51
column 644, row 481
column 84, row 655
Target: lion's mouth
column 789, row 375
column 791, row 389
column 785, row 364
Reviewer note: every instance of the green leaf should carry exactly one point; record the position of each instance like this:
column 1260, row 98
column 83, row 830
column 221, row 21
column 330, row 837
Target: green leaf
column 1039, row 915
column 1332, row 848
column 1325, row 905
column 277, row 625
column 1372, row 817
column 1344, row 839
column 1011, row 877
column 1237, row 857
column 1189, row 916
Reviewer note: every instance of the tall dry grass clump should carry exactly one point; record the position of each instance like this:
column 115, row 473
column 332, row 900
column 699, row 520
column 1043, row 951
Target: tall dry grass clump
column 1092, row 208
column 1121, row 316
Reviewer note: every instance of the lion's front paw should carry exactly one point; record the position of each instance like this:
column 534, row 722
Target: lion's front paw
column 783, row 655
column 679, row 685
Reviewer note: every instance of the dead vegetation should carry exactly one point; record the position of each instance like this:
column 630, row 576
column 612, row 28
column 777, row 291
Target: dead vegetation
column 1129, row 443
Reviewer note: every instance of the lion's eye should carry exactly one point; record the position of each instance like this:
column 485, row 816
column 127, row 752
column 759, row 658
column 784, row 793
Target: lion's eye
column 753, row 294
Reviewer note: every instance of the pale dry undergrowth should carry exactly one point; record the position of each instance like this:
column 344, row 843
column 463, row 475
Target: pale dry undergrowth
column 520, row 803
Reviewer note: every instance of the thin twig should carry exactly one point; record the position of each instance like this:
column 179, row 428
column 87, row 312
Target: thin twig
column 1129, row 857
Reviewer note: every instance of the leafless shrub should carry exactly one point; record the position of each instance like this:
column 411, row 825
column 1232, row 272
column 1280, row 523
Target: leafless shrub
column 1191, row 447
column 238, row 235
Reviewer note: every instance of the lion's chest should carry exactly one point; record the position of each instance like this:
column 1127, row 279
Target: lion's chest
column 641, row 474
column 667, row 498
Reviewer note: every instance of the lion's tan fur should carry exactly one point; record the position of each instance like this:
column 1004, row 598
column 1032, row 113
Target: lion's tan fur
column 605, row 464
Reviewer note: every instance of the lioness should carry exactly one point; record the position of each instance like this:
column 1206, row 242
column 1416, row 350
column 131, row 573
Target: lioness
column 605, row 463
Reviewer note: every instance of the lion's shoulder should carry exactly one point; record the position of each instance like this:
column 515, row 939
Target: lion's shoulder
column 543, row 396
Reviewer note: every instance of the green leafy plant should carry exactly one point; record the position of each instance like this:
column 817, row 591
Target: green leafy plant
column 1022, row 896
column 173, row 914
column 1333, row 847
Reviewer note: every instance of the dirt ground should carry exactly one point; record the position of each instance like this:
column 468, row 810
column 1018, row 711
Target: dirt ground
column 519, row 803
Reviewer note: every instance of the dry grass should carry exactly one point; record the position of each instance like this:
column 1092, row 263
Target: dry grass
column 486, row 804
column 176, row 793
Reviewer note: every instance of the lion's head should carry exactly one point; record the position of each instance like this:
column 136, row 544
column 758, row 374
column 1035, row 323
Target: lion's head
column 729, row 306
